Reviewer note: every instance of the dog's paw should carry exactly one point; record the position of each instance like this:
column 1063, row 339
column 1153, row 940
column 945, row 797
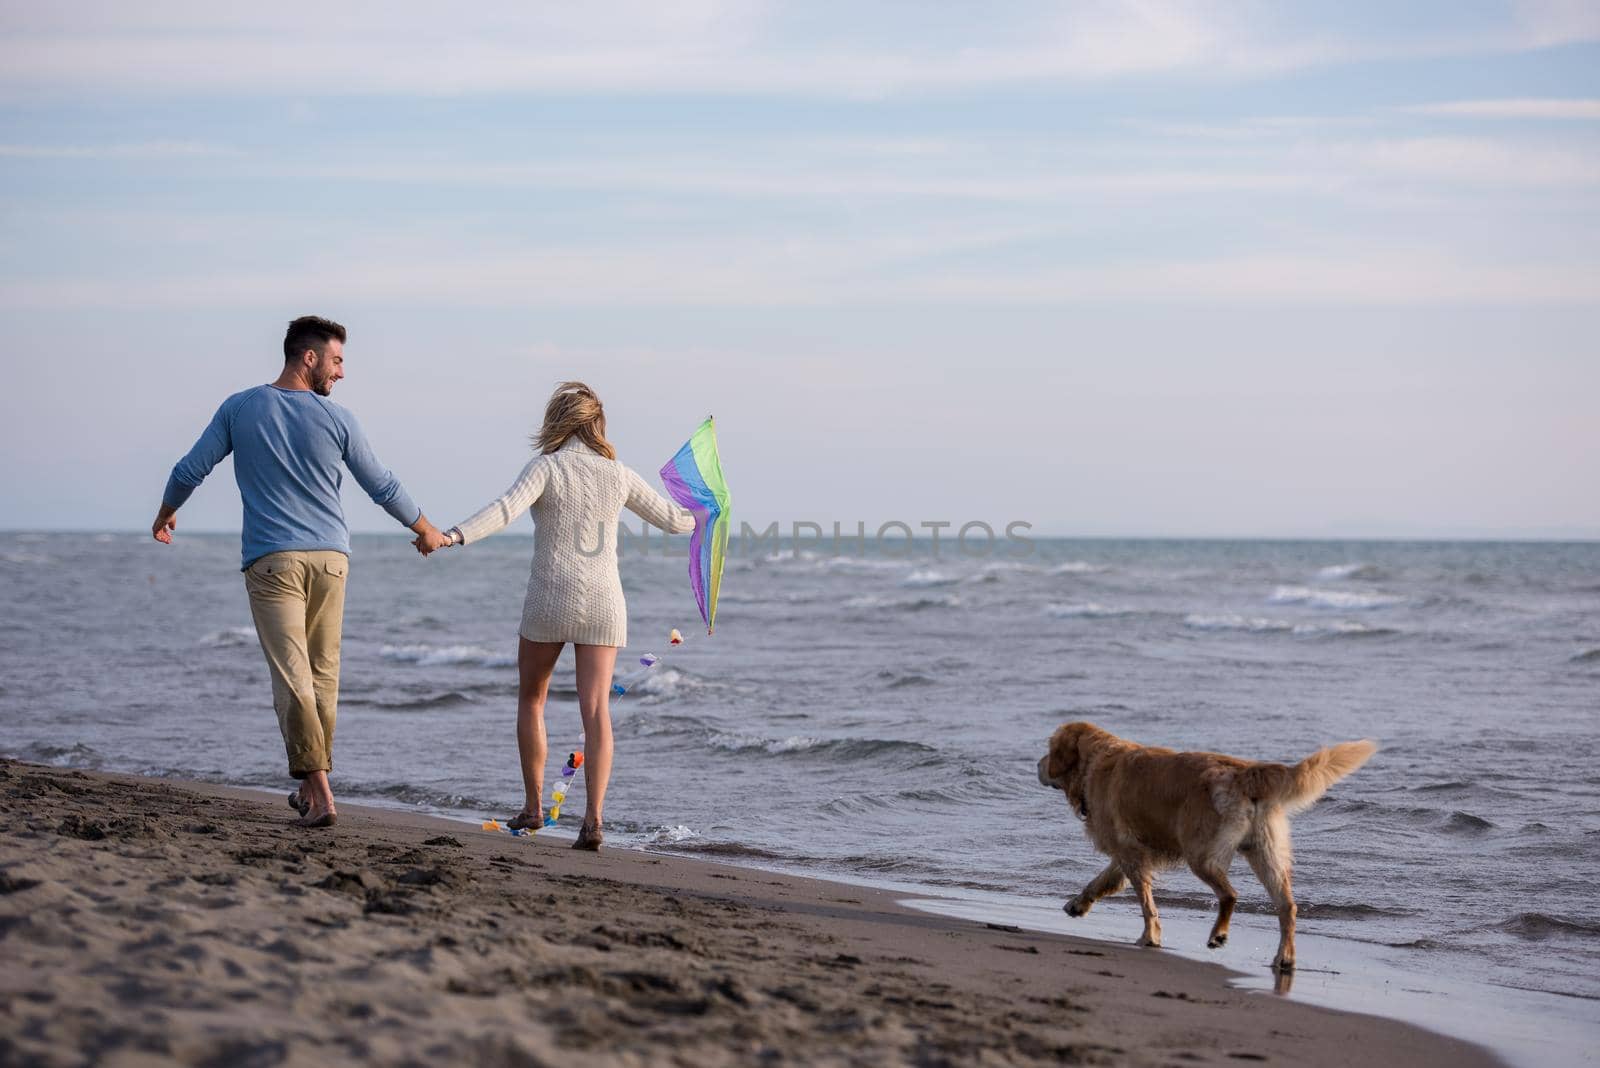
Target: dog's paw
column 1075, row 908
column 1217, row 941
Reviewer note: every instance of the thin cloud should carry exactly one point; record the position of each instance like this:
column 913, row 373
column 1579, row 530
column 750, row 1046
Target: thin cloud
column 1517, row 108
column 1473, row 161
column 752, row 276
column 145, row 150
column 1002, row 173
column 714, row 46
column 1381, row 277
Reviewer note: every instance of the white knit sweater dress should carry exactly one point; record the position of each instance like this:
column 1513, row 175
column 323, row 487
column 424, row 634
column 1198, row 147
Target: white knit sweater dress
column 576, row 497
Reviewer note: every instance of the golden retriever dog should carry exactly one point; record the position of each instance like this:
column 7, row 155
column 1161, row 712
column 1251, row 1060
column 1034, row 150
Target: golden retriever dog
column 1148, row 808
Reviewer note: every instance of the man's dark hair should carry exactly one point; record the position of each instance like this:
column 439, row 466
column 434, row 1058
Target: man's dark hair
column 310, row 332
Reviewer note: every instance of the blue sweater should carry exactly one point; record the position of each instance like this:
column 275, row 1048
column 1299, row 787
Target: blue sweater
column 288, row 445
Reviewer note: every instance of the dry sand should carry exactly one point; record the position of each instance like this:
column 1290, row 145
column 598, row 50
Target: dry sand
column 149, row 922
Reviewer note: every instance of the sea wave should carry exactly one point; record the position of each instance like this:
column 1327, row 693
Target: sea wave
column 1537, row 926
column 704, row 847
column 667, row 683
column 1356, row 910
column 1466, row 823
column 1078, row 567
column 995, row 572
column 789, row 556
column 422, row 796
column 1588, row 656
column 434, row 656
column 76, row 755
column 427, row 702
column 926, row 578
column 1350, row 571
column 675, row 835
column 1253, row 624
column 834, row 748
column 1084, row 610
column 229, row 637
column 1343, row 628
column 904, row 604
column 1262, row 625
column 1331, row 598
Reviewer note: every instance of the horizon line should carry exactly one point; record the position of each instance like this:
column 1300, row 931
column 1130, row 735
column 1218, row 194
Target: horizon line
column 1563, row 537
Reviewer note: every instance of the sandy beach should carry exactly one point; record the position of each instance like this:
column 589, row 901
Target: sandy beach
column 152, row 922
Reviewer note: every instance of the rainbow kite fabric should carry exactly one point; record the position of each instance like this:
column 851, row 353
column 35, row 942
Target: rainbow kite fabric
column 694, row 479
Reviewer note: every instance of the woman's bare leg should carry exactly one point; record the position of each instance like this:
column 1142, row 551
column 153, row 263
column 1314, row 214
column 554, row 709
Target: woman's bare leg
column 536, row 661
column 595, row 665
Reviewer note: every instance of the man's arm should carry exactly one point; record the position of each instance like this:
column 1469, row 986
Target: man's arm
column 385, row 489
column 215, row 443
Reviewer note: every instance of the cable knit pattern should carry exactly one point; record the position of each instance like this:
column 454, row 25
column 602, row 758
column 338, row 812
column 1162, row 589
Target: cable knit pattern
column 576, row 497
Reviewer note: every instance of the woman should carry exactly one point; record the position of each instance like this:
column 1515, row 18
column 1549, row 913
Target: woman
column 576, row 490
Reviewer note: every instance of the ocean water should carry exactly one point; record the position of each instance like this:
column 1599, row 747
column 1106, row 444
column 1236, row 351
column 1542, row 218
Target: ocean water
column 879, row 717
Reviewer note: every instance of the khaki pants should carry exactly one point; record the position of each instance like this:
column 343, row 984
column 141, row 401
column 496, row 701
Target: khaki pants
column 297, row 602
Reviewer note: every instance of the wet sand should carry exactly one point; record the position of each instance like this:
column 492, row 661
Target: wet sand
column 152, row 922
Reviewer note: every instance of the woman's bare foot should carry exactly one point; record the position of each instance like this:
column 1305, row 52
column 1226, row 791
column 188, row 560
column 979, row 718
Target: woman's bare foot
column 528, row 817
column 589, row 838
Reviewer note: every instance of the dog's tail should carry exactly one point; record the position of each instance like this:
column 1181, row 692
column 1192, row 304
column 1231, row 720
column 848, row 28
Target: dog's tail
column 1296, row 788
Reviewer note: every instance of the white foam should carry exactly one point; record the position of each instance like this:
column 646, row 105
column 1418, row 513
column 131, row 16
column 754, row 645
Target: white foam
column 861, row 563
column 1336, row 628
column 1344, row 571
column 1003, row 566
column 923, row 579
column 229, row 637
column 787, row 556
column 433, row 656
column 1263, row 625
column 1076, row 567
column 740, row 743
column 663, row 682
column 1331, row 598
column 874, row 601
column 671, row 835
column 1253, row 624
column 1085, row 610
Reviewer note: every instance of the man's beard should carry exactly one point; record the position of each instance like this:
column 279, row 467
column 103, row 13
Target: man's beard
column 322, row 386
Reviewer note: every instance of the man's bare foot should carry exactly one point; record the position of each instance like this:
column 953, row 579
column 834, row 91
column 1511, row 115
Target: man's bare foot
column 316, row 801
column 314, row 818
column 298, row 803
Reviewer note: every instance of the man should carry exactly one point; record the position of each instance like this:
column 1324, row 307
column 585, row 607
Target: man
column 288, row 441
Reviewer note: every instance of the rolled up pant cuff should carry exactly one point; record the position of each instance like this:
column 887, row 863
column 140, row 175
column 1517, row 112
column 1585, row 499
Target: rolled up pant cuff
column 301, row 766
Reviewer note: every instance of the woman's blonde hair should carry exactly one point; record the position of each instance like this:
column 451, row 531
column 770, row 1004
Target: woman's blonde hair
column 574, row 409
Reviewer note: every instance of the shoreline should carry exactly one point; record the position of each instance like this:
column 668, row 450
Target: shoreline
column 152, row 919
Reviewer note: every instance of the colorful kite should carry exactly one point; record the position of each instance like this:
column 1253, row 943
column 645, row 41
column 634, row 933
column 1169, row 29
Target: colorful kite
column 694, row 479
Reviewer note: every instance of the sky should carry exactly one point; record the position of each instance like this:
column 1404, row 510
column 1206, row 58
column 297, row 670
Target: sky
column 1110, row 268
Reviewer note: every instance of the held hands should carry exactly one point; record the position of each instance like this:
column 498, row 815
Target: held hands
column 166, row 522
column 428, row 542
column 430, row 537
